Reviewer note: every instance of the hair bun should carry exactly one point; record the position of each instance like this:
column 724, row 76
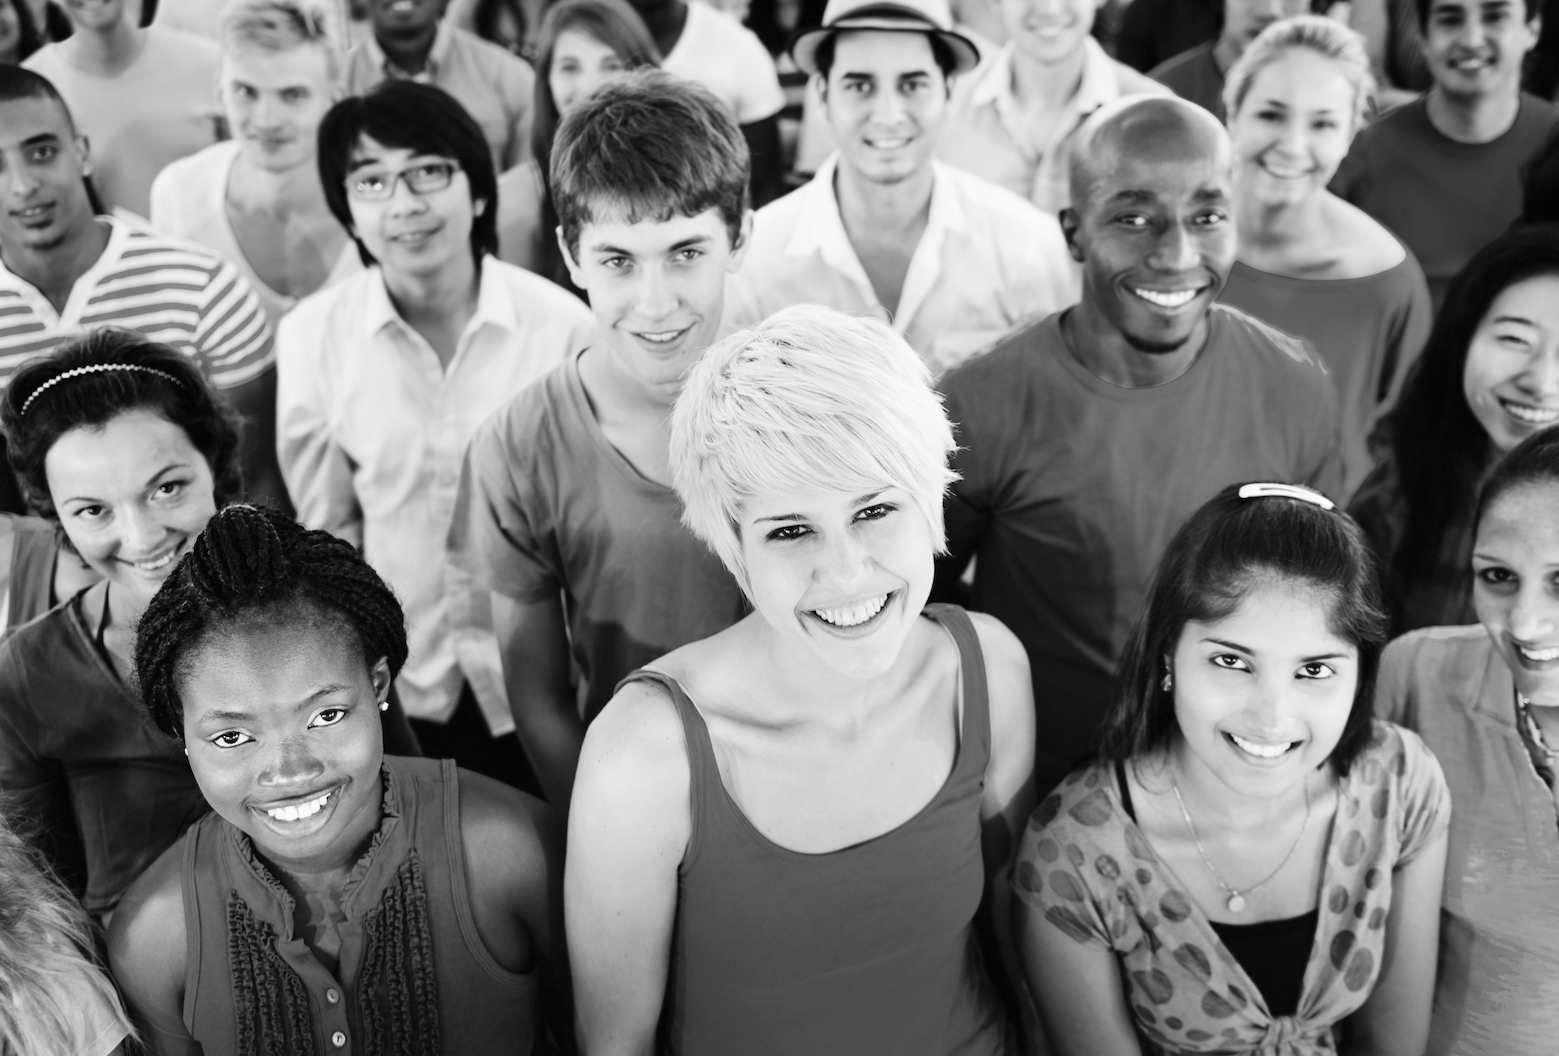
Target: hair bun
column 240, row 554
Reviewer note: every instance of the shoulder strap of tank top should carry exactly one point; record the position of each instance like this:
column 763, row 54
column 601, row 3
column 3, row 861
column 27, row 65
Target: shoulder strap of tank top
column 974, row 748
column 703, row 770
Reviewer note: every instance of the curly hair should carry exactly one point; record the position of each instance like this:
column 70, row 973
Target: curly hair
column 255, row 565
column 162, row 380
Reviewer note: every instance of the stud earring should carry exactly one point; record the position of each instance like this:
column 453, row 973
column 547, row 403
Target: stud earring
column 1168, row 683
column 384, row 705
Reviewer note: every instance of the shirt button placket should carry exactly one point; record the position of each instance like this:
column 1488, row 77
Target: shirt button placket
column 338, row 1039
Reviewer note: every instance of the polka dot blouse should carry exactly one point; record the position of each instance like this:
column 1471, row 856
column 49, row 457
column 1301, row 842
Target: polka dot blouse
column 1089, row 870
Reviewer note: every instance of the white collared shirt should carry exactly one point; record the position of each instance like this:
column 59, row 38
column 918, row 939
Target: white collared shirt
column 985, row 132
column 372, row 431
column 987, row 261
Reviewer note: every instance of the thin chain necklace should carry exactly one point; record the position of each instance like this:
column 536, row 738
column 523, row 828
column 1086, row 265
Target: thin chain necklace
column 1236, row 902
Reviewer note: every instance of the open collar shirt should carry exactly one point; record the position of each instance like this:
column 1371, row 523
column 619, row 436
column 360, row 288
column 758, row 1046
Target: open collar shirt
column 372, row 430
column 986, row 133
column 987, row 261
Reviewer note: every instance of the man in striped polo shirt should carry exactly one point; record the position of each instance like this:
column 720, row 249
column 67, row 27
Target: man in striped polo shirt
column 64, row 270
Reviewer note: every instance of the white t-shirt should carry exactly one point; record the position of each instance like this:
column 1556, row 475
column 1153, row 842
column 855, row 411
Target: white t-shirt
column 189, row 201
column 162, row 107
column 726, row 57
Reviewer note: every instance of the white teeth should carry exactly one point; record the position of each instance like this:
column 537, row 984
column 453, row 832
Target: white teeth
column 301, row 811
column 887, row 144
column 855, row 614
column 1541, row 656
column 1529, row 414
column 664, row 338
column 154, row 565
column 1166, row 298
column 1261, row 751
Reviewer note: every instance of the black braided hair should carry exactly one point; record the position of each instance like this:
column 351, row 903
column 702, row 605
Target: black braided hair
column 93, row 400
column 251, row 561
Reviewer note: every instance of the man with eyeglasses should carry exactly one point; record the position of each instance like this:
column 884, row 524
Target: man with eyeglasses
column 384, row 378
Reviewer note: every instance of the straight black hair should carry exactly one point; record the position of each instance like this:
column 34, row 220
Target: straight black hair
column 1229, row 547
column 1533, row 461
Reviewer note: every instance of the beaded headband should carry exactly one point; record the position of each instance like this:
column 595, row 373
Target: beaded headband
column 1286, row 491
column 96, row 368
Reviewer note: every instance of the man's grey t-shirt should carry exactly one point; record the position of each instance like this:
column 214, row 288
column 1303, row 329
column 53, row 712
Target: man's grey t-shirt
column 1072, row 487
column 547, row 506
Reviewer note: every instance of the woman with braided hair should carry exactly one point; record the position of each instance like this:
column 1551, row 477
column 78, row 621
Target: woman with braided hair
column 336, row 900
column 123, row 444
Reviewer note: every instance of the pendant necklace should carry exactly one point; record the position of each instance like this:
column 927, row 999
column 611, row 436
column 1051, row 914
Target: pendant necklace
column 1236, row 901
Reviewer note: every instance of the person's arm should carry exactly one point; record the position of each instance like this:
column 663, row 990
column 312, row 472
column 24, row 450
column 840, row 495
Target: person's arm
column 317, row 471
column 1007, row 803
column 627, row 832
column 533, row 646
column 146, row 952
column 1394, row 1021
column 514, row 850
column 1077, row 988
column 768, row 162
column 34, row 788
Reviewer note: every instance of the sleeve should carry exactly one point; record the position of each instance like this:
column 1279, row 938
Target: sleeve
column 1425, row 797
column 233, row 337
column 317, row 471
column 1050, row 882
column 99, row 1019
column 1394, row 701
column 759, row 95
column 496, row 532
column 1409, row 333
column 34, row 788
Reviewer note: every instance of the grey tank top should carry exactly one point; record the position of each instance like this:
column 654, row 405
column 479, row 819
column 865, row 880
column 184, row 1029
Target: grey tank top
column 867, row 949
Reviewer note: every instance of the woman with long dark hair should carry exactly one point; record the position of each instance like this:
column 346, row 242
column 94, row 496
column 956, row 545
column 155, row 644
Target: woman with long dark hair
column 582, row 45
column 1487, row 379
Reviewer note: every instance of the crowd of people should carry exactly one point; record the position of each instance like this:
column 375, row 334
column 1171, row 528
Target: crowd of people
column 559, row 526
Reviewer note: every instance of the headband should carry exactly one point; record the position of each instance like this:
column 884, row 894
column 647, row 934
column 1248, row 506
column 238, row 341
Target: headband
column 95, row 368
column 1286, row 491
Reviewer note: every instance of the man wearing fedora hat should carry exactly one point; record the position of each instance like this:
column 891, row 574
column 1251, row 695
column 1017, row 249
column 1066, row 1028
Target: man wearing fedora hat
column 953, row 261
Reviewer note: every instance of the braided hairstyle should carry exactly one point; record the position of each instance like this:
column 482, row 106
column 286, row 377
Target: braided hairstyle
column 92, row 400
column 254, row 566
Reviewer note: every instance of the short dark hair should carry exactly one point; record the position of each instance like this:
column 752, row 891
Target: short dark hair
column 29, row 39
column 1423, row 7
column 653, row 146
column 1534, row 460
column 17, row 82
column 92, row 399
column 1228, row 547
column 255, row 567
column 941, row 54
column 415, row 117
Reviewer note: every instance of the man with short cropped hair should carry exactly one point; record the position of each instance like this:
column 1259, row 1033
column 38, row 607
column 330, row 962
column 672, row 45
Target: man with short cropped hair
column 1444, row 172
column 566, row 509
column 952, row 260
column 1087, row 439
column 256, row 199
column 384, row 378
column 66, row 270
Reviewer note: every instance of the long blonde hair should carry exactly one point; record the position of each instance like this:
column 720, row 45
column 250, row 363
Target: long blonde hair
column 47, row 974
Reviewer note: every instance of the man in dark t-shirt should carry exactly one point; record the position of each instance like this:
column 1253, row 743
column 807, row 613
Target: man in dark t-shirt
column 1087, row 439
column 1197, row 73
column 1444, row 172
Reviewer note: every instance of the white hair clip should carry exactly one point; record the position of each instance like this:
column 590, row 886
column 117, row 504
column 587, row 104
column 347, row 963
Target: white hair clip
column 93, row 368
column 1286, row 491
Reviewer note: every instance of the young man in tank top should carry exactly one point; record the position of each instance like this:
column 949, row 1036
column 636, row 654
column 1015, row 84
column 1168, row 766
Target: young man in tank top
column 565, row 510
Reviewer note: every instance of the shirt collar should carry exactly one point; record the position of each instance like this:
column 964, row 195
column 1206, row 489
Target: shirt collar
column 820, row 227
column 494, row 306
column 1100, row 84
column 442, row 42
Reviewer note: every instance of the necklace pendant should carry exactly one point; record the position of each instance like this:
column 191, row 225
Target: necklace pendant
column 1236, row 903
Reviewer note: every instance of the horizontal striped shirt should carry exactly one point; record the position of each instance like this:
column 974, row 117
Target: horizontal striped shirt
column 167, row 289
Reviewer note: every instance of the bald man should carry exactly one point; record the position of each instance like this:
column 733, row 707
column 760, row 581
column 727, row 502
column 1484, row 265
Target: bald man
column 1087, row 439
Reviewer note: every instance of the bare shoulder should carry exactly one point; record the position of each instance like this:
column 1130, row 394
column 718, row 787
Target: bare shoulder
column 1371, row 248
column 508, row 834
column 639, row 730
column 146, row 939
column 1007, row 674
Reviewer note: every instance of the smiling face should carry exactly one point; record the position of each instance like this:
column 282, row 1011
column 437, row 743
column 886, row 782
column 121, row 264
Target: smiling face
column 404, row 18
column 580, row 65
column 886, row 99
column 281, row 719
column 1155, row 233
column 1515, row 564
column 1262, row 696
column 1293, row 128
column 275, row 101
column 43, row 199
column 839, row 577
column 411, row 233
column 1475, row 47
column 132, row 497
column 657, row 288
column 95, row 15
column 1511, row 379
column 1048, row 31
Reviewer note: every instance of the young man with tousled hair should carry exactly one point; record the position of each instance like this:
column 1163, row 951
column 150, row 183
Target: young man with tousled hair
column 385, row 377
column 566, row 510
column 1087, row 438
